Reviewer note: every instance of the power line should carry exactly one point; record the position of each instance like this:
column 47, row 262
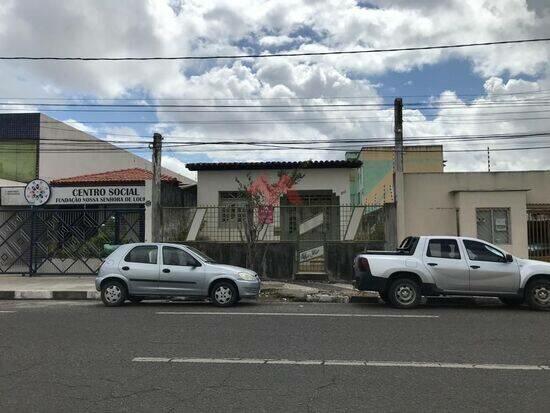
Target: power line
column 259, row 98
column 270, row 55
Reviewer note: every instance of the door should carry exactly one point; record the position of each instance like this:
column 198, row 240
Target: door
column 489, row 269
column 180, row 274
column 446, row 264
column 140, row 267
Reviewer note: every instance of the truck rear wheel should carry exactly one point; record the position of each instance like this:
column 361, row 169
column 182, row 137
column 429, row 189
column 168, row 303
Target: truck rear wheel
column 404, row 293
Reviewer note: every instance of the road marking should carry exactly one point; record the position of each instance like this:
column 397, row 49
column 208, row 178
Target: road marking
column 298, row 314
column 351, row 363
column 6, row 311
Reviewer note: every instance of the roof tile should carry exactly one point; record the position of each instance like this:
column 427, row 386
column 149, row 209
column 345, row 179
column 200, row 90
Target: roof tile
column 120, row 176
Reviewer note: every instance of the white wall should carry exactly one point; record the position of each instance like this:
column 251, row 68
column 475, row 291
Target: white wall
column 53, row 165
column 210, row 183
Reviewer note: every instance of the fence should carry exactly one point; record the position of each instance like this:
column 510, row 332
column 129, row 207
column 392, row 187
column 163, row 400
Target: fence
column 305, row 239
column 281, row 223
column 63, row 241
column 538, row 232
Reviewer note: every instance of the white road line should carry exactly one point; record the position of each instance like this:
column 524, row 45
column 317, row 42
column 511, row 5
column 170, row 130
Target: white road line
column 350, row 363
column 6, row 311
column 297, row 314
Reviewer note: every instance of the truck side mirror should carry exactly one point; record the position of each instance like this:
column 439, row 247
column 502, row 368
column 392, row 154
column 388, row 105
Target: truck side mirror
column 509, row 258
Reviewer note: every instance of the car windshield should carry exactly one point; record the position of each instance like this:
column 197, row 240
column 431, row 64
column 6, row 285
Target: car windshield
column 201, row 255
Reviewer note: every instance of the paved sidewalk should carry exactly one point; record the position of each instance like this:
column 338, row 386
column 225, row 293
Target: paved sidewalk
column 82, row 288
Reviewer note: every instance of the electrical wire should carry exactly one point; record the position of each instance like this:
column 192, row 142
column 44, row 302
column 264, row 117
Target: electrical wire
column 271, row 55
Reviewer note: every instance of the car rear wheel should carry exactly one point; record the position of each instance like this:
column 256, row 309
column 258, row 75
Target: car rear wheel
column 113, row 293
column 404, row 293
column 511, row 301
column 224, row 294
column 538, row 295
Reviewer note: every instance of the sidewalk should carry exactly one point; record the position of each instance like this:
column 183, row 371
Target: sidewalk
column 82, row 288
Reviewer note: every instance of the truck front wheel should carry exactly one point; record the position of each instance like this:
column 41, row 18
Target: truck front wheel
column 404, row 293
column 537, row 294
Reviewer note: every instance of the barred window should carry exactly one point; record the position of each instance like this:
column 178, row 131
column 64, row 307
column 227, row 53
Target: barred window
column 232, row 209
column 493, row 225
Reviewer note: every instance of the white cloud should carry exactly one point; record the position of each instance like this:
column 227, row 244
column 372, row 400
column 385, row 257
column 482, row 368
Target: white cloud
column 173, row 27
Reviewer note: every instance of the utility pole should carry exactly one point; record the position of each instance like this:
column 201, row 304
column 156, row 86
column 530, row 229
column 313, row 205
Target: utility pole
column 398, row 132
column 399, row 230
column 488, row 159
column 156, row 188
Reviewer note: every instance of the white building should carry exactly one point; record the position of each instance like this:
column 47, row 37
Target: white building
column 33, row 145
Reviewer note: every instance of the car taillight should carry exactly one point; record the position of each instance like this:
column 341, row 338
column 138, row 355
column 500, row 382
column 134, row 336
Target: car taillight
column 363, row 264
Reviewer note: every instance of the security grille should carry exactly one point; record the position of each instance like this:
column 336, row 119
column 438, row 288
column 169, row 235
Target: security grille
column 63, row 241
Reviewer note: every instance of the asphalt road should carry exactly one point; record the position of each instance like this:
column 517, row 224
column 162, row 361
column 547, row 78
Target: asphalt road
column 80, row 356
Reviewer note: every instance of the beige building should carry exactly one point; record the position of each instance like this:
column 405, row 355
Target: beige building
column 509, row 209
column 373, row 183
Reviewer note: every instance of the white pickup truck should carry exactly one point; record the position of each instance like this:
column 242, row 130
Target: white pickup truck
column 442, row 265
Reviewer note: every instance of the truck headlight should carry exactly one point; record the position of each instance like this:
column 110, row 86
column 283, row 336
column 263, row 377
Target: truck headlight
column 246, row 276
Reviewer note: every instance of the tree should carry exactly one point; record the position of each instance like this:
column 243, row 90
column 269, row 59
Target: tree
column 261, row 198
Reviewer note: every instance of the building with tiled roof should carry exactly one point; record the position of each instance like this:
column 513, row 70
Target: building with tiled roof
column 124, row 176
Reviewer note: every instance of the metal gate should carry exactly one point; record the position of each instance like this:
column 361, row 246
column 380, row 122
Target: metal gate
column 63, row 241
column 538, row 232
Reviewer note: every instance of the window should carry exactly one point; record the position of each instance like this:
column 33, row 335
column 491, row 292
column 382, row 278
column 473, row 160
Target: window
column 493, row 225
column 478, row 251
column 177, row 256
column 146, row 254
column 443, row 248
column 232, row 209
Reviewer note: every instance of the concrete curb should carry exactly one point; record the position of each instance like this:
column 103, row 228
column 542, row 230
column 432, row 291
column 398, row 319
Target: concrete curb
column 49, row 295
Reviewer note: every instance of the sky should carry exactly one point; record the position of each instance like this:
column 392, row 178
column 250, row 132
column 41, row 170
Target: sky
column 466, row 79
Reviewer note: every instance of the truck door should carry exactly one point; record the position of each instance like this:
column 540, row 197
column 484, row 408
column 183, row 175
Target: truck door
column 489, row 269
column 446, row 264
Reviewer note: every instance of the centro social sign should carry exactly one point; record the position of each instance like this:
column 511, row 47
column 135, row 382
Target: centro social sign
column 97, row 195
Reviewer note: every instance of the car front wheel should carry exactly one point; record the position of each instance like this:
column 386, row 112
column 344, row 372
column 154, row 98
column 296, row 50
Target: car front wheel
column 224, row 294
column 538, row 295
column 113, row 293
column 404, row 293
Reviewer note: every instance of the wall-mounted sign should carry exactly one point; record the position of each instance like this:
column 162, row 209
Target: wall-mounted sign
column 82, row 195
column 312, row 253
column 37, row 192
column 79, row 195
column 14, row 195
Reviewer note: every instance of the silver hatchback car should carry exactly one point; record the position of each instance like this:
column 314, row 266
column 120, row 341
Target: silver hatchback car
column 159, row 270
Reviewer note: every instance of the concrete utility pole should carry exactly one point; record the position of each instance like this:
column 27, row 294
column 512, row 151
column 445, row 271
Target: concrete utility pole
column 398, row 131
column 398, row 177
column 156, row 188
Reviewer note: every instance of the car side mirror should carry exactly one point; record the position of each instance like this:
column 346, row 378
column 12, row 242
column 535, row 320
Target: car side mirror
column 509, row 258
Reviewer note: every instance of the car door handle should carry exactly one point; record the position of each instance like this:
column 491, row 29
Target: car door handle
column 166, row 270
column 125, row 268
column 432, row 264
column 475, row 267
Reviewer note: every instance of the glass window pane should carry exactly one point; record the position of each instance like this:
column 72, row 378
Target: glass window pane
column 176, row 256
column 478, row 251
column 443, row 248
column 501, row 226
column 146, row 254
column 484, row 225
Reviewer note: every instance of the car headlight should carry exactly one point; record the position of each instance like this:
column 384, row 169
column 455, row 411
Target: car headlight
column 246, row 276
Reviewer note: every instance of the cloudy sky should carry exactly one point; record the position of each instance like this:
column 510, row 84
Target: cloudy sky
column 465, row 83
